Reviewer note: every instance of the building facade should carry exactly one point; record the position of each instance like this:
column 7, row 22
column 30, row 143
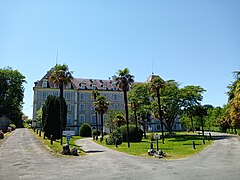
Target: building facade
column 79, row 99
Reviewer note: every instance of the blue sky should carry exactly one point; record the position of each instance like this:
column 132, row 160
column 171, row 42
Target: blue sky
column 193, row 42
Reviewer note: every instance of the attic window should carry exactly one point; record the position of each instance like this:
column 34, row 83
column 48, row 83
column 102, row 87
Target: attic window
column 104, row 87
column 94, row 87
column 68, row 86
column 44, row 83
column 82, row 85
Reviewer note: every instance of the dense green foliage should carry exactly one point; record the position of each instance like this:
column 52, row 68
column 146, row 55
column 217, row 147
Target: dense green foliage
column 115, row 137
column 225, row 119
column 39, row 117
column 95, row 132
column 115, row 119
column 165, row 97
column 233, row 116
column 11, row 93
column 135, row 135
column 51, row 116
column 85, row 130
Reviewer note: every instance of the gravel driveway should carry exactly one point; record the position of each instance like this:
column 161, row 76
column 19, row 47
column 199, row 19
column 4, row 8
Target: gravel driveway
column 23, row 157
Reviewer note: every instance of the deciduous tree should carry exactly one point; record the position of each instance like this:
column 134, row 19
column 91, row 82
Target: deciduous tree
column 11, row 93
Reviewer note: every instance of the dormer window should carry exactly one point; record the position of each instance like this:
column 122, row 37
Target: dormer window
column 68, row 86
column 104, row 87
column 83, row 85
column 44, row 83
column 94, row 87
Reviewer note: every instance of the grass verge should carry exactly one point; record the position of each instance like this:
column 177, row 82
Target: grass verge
column 56, row 147
column 179, row 146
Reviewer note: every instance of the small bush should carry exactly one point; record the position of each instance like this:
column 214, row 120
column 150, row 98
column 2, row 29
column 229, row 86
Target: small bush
column 135, row 135
column 94, row 132
column 13, row 126
column 115, row 135
column 1, row 134
column 85, row 130
column 151, row 137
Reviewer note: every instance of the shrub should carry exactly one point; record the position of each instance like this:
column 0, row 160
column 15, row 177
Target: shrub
column 151, row 137
column 1, row 134
column 135, row 135
column 94, row 132
column 111, row 140
column 13, row 126
column 85, row 130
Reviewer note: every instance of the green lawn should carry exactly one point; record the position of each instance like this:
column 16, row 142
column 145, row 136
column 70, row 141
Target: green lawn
column 56, row 147
column 176, row 147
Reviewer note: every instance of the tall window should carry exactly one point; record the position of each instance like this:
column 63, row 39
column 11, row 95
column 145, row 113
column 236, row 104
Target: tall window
column 82, row 119
column 56, row 94
column 82, row 96
column 115, row 97
column 93, row 119
column 92, row 107
column 44, row 95
column 115, row 107
column 69, row 107
column 82, row 107
column 104, row 118
column 68, row 96
column 69, row 119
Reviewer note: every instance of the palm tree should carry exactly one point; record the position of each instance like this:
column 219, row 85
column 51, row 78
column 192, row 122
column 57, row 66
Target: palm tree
column 61, row 76
column 101, row 106
column 156, row 84
column 124, row 81
column 119, row 120
column 95, row 94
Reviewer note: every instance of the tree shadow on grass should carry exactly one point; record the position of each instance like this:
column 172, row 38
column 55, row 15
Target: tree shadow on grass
column 190, row 144
column 185, row 138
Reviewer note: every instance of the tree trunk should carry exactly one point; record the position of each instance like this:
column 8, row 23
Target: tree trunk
column 96, row 126
column 160, row 114
column 202, row 126
column 192, row 123
column 126, row 110
column 61, row 111
column 102, row 125
column 144, row 131
column 135, row 115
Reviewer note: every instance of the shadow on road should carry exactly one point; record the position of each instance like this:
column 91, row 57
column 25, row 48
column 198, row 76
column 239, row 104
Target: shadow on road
column 93, row 151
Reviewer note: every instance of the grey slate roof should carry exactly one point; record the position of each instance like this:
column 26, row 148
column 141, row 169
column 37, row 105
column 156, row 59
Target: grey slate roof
column 76, row 83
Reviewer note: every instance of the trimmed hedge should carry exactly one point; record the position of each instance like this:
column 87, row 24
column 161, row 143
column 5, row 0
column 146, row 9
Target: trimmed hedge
column 85, row 130
column 135, row 135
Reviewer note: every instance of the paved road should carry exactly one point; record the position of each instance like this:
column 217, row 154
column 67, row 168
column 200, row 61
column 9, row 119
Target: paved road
column 23, row 157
